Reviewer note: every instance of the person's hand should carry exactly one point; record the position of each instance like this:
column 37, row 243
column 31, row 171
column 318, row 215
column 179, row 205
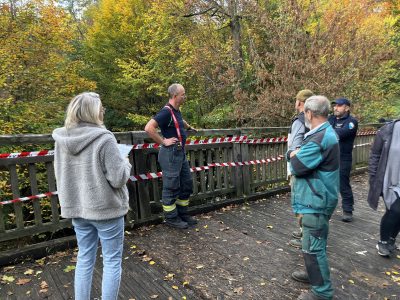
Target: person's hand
column 170, row 141
column 293, row 153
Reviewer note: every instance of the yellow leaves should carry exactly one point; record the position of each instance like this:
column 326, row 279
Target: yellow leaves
column 69, row 269
column 351, row 281
column 28, row 272
column 6, row 278
column 270, row 226
column 152, row 262
column 175, row 287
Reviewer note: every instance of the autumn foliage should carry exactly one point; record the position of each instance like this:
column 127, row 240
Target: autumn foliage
column 241, row 62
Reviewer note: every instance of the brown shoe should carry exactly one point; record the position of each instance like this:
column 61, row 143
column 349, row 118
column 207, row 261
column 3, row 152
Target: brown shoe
column 301, row 276
column 309, row 296
column 295, row 243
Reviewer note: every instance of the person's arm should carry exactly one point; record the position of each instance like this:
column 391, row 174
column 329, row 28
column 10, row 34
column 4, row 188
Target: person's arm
column 375, row 156
column 306, row 159
column 116, row 168
column 151, row 129
column 296, row 137
column 346, row 131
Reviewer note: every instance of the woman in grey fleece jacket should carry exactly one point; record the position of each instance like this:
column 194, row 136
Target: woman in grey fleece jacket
column 91, row 182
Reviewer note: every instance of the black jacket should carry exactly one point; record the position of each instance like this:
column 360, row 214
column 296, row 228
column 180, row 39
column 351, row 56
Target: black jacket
column 346, row 128
column 377, row 162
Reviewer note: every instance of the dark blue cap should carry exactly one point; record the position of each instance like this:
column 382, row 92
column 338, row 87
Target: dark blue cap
column 341, row 101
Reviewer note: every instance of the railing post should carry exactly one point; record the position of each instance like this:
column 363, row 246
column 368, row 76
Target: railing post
column 246, row 170
column 237, row 156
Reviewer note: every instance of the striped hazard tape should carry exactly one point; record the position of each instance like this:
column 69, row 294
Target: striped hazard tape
column 149, row 176
column 235, row 139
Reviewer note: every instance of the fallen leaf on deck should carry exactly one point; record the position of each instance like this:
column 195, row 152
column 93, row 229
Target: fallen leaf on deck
column 270, row 226
column 7, row 278
column 23, row 281
column 8, row 268
column 362, row 252
column 154, row 296
column 185, row 283
column 238, row 290
column 152, row 262
column 351, row 281
column 44, row 285
column 205, row 226
column 69, row 269
column 175, row 287
column 245, row 258
column 199, row 266
column 28, row 272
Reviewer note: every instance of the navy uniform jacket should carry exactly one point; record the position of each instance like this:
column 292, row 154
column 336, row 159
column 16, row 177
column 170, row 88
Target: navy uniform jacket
column 346, row 129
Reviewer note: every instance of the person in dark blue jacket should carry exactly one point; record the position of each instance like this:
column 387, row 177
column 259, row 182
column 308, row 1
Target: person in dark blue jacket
column 315, row 189
column 346, row 127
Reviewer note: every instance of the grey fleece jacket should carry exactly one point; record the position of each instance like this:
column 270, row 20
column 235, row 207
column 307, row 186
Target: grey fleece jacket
column 90, row 173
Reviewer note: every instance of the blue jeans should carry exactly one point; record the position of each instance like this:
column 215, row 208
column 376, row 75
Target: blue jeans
column 177, row 181
column 111, row 236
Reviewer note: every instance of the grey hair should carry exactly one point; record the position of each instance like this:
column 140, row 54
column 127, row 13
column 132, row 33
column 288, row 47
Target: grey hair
column 318, row 105
column 84, row 107
column 173, row 89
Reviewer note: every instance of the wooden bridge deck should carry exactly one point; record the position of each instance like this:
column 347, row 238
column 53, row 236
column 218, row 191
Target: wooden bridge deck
column 239, row 252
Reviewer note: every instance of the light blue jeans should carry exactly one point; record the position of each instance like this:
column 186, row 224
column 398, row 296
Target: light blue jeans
column 111, row 236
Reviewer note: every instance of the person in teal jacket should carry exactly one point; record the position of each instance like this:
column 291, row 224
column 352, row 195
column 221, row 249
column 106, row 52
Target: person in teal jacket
column 315, row 167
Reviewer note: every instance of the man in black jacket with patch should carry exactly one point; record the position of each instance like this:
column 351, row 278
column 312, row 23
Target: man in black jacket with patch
column 346, row 127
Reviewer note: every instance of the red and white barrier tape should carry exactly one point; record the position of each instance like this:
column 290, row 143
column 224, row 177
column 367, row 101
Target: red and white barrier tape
column 265, row 140
column 194, row 142
column 27, row 154
column 209, row 166
column 239, row 139
column 22, row 199
column 362, row 145
column 149, row 176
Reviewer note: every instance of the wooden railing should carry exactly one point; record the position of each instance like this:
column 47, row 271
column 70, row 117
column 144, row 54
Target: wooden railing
column 213, row 187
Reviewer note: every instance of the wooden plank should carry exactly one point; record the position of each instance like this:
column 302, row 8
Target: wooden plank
column 51, row 183
column 19, row 218
column 25, row 160
column 202, row 175
column 194, row 174
column 143, row 186
column 31, row 230
column 238, row 172
column 246, row 170
column 2, row 220
column 225, row 158
column 210, row 178
column 34, row 191
column 218, row 173
column 154, row 183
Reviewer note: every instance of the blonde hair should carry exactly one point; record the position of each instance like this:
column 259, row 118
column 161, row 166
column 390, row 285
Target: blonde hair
column 84, row 107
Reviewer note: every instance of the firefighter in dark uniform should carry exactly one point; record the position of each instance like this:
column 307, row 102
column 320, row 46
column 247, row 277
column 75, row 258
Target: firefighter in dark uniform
column 346, row 127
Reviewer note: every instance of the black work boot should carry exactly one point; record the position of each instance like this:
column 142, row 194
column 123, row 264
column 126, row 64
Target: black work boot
column 301, row 276
column 176, row 222
column 383, row 248
column 347, row 216
column 188, row 219
column 392, row 245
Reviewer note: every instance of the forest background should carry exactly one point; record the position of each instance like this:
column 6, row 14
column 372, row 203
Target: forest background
column 241, row 61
